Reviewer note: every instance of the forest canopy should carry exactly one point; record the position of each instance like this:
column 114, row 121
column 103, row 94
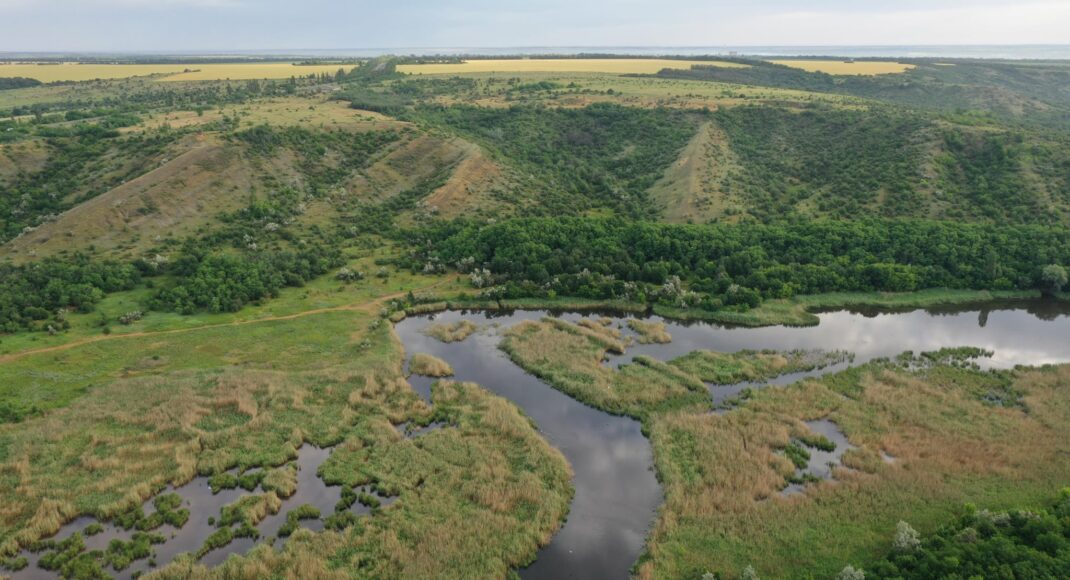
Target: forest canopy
column 724, row 264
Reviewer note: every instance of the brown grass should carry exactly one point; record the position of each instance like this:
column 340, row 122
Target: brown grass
column 465, row 508
column 185, row 190
column 469, row 187
column 429, row 366
column 452, row 332
column 650, row 332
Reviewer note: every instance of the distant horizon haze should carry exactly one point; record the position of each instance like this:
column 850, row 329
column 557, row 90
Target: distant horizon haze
column 243, row 25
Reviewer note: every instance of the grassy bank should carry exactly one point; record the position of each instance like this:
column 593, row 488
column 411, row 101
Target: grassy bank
column 799, row 311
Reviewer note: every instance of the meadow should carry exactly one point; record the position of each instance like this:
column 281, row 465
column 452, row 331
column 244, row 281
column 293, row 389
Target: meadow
column 75, row 72
column 845, row 67
column 560, row 65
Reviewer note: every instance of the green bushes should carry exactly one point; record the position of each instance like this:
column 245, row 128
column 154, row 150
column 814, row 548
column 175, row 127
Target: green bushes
column 226, row 282
column 798, row 455
column 7, row 83
column 120, row 554
column 32, row 295
column 1020, row 544
column 168, row 511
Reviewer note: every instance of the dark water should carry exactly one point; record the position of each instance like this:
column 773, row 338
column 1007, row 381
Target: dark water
column 617, row 494
column 822, row 463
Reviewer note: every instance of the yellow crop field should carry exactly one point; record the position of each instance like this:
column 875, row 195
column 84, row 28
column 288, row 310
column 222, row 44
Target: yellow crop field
column 839, row 67
column 248, row 71
column 50, row 73
column 562, row 65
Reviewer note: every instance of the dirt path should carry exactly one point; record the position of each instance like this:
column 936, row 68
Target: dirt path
column 369, row 306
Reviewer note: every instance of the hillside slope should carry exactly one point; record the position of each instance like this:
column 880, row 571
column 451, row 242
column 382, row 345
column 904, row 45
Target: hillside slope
column 773, row 162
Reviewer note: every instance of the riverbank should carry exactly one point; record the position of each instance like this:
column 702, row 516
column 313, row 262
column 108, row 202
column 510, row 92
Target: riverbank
column 797, row 311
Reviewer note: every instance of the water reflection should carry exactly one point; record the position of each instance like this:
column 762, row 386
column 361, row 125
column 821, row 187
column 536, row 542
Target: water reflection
column 616, row 492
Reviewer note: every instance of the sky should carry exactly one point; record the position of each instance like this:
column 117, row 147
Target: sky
column 219, row 25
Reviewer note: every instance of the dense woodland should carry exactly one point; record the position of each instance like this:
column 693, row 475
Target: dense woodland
column 34, row 296
column 739, row 265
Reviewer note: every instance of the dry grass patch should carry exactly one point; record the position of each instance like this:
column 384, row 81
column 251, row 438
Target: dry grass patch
column 429, row 366
column 452, row 332
column 650, row 332
column 50, row 73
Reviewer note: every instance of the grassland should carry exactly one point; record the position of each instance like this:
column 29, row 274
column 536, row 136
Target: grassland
column 650, row 332
column 846, row 67
column 560, row 65
column 569, row 357
column 74, row 72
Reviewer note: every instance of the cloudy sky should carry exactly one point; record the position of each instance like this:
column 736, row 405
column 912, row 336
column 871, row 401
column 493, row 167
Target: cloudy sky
column 132, row 25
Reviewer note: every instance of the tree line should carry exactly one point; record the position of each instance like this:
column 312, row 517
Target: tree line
column 739, row 265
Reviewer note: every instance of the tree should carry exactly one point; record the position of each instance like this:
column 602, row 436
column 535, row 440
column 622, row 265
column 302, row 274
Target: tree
column 1053, row 278
column 906, row 538
column 849, row 572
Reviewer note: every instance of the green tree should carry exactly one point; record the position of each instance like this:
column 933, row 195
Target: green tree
column 1053, row 278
